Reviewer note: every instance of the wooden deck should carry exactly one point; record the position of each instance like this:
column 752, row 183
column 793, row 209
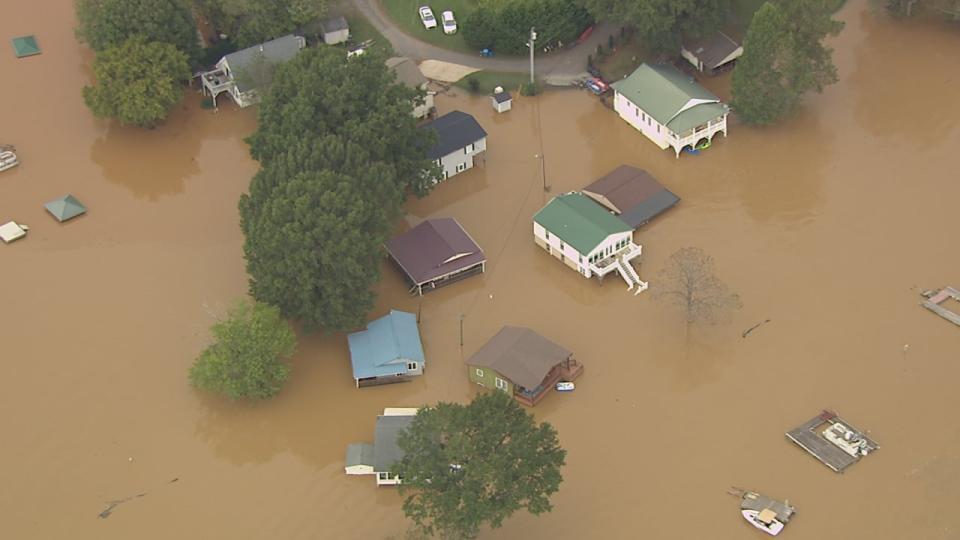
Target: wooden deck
column 933, row 304
column 808, row 436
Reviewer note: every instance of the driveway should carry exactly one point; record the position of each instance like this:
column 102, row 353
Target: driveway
column 568, row 63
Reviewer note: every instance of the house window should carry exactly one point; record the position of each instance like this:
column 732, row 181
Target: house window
column 461, row 167
column 658, row 128
column 561, row 246
column 411, row 366
column 479, row 373
column 581, row 259
column 382, row 476
column 469, row 148
column 501, row 384
column 547, row 234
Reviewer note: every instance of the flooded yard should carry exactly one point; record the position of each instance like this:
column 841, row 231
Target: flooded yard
column 829, row 224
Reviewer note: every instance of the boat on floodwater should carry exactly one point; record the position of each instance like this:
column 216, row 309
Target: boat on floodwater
column 767, row 514
column 8, row 157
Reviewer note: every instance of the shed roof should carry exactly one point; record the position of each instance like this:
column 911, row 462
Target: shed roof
column 385, row 346
column 386, row 451
column 11, row 231
column 274, row 51
column 520, row 354
column 502, row 97
column 434, row 248
column 579, row 221
column 632, row 193
column 670, row 97
column 359, row 454
column 334, row 24
column 25, row 46
column 66, row 207
column 455, row 130
column 407, row 71
column 712, row 49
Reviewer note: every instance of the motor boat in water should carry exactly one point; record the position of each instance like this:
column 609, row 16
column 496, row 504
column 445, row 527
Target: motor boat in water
column 565, row 386
column 767, row 514
column 8, row 157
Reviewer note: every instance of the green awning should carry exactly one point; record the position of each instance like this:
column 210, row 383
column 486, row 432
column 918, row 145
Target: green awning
column 25, row 46
column 66, row 207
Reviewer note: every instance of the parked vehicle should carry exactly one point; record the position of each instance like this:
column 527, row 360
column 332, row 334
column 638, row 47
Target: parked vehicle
column 597, row 86
column 427, row 18
column 449, row 23
column 486, row 53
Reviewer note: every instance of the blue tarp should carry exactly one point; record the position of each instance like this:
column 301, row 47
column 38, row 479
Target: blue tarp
column 385, row 347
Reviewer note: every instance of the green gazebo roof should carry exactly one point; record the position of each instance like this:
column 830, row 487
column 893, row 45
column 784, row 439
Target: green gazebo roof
column 66, row 207
column 25, row 46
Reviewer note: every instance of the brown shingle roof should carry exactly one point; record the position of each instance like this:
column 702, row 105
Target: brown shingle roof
column 407, row 71
column 521, row 355
column 434, row 248
column 632, row 193
column 712, row 49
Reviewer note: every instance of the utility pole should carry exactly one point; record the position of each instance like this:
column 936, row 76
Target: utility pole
column 531, row 44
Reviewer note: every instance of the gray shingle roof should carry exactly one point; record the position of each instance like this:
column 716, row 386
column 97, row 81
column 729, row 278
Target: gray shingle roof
column 407, row 71
column 386, row 452
column 712, row 49
column 455, row 130
column 359, row 454
column 275, row 51
column 334, row 24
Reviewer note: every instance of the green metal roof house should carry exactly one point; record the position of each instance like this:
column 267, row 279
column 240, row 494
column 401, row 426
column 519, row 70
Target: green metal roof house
column 587, row 238
column 670, row 108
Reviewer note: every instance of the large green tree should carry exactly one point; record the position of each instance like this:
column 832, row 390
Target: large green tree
column 469, row 465
column 137, row 82
column 784, row 58
column 504, row 25
column 662, row 24
column 339, row 150
column 249, row 354
column 248, row 22
column 103, row 24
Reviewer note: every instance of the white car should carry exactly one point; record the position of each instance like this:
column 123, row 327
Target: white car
column 449, row 23
column 427, row 18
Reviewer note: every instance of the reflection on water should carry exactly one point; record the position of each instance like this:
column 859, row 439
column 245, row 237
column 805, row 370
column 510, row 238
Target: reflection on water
column 828, row 224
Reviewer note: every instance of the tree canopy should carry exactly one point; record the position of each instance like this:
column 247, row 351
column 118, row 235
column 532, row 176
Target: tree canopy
column 248, row 356
column 103, row 24
column 662, row 24
column 248, row 22
column 504, row 25
column 688, row 281
column 784, row 58
column 339, row 149
column 137, row 82
column 469, row 465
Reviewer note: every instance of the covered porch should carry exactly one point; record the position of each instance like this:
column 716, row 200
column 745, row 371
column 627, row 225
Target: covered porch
column 567, row 370
column 619, row 261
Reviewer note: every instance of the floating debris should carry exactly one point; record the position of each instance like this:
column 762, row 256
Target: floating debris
column 12, row 230
column 935, row 298
column 765, row 513
column 8, row 157
column 832, row 440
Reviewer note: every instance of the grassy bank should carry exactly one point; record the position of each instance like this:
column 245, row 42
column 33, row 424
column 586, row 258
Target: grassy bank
column 488, row 80
column 361, row 30
column 405, row 15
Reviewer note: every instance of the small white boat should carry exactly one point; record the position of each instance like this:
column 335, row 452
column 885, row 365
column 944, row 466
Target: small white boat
column 849, row 440
column 8, row 158
column 565, row 386
column 765, row 520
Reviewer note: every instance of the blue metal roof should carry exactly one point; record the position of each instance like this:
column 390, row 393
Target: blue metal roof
column 385, row 347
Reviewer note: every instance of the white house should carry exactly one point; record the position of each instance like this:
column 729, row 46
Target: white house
column 670, row 108
column 459, row 140
column 713, row 53
column 234, row 72
column 409, row 74
column 377, row 458
column 335, row 30
column 587, row 238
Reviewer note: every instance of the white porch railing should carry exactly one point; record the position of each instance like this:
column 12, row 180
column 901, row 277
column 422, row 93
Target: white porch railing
column 606, row 265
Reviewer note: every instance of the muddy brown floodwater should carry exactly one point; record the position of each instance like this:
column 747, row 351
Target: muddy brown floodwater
column 829, row 224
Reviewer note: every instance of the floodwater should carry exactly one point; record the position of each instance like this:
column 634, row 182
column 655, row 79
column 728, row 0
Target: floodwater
column 828, row 224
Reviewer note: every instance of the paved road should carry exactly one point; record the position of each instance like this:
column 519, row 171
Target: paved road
column 569, row 62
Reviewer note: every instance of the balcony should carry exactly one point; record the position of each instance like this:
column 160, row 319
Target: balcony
column 627, row 253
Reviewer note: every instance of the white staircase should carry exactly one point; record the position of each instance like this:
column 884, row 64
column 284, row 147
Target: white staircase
column 626, row 271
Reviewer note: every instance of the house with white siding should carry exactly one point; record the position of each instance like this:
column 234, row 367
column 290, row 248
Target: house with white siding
column 588, row 239
column 460, row 139
column 237, row 73
column 670, row 108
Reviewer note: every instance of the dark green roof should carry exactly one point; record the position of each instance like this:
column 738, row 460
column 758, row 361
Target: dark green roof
column 579, row 221
column 670, row 97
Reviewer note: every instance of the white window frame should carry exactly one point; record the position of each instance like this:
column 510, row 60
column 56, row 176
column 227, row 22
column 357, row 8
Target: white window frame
column 469, row 148
column 461, row 167
column 479, row 372
column 411, row 366
column 501, row 384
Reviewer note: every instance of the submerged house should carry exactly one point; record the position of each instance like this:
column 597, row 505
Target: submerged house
column 669, row 108
column 523, row 364
column 435, row 253
column 460, row 139
column 388, row 351
column 632, row 194
column 409, row 74
column 237, row 73
column 377, row 458
column 587, row 238
column 713, row 53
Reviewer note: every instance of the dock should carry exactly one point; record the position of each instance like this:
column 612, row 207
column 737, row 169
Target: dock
column 934, row 298
column 809, row 436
